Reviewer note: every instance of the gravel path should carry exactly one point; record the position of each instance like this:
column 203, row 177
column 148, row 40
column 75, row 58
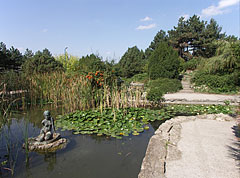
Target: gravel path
column 187, row 96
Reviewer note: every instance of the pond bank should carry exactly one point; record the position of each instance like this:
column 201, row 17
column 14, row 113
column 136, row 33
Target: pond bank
column 205, row 146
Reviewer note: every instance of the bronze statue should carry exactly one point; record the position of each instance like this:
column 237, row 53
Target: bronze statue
column 48, row 140
column 48, row 128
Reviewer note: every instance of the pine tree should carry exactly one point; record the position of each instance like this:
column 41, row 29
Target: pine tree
column 132, row 62
column 163, row 62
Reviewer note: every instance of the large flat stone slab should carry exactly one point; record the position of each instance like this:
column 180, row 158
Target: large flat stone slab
column 203, row 146
column 206, row 151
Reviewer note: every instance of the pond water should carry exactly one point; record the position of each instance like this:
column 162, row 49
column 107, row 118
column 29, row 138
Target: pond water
column 86, row 156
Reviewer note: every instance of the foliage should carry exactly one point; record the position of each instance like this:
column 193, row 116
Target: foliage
column 191, row 64
column 69, row 62
column 200, row 109
column 235, row 52
column 10, row 59
column 90, row 63
column 155, row 95
column 118, row 123
column 42, row 62
column 221, row 73
column 13, row 81
column 142, row 78
column 161, row 86
column 227, row 83
column 76, row 91
column 163, row 62
column 161, row 36
column 195, row 36
column 131, row 63
column 115, row 123
column 166, row 85
column 13, row 90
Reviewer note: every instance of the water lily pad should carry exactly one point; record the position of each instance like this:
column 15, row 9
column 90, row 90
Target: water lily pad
column 146, row 127
column 135, row 133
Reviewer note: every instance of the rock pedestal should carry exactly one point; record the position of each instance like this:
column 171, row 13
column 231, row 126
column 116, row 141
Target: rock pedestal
column 46, row 146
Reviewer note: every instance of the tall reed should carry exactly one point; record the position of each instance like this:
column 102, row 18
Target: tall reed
column 76, row 91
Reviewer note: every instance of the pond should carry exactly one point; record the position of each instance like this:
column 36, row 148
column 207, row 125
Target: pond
column 87, row 156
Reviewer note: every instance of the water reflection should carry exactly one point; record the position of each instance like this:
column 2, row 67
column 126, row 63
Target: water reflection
column 86, row 155
column 51, row 159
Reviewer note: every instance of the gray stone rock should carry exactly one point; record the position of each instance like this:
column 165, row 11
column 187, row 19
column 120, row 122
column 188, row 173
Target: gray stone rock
column 50, row 145
column 162, row 146
column 153, row 165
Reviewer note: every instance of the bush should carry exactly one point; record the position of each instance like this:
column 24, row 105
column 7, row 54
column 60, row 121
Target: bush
column 161, row 86
column 217, row 83
column 166, row 85
column 155, row 95
column 13, row 81
column 164, row 62
column 140, row 78
column 191, row 64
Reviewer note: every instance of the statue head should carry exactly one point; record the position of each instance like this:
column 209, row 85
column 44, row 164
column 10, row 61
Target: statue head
column 47, row 114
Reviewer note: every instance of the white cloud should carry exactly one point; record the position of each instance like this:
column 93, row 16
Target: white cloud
column 227, row 3
column 21, row 49
column 45, row 30
column 185, row 16
column 146, row 19
column 146, row 27
column 220, row 8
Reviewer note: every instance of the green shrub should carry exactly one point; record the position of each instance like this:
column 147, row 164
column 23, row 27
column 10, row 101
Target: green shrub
column 166, row 85
column 13, row 81
column 155, row 95
column 217, row 83
column 164, row 62
column 161, row 86
column 140, row 78
column 191, row 64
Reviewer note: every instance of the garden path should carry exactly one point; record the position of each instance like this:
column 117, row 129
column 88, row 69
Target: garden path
column 188, row 96
column 209, row 149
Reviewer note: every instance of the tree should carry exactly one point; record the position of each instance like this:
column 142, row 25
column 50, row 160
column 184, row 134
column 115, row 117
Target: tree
column 187, row 36
column 231, row 38
column 132, row 62
column 70, row 62
column 163, row 62
column 10, row 58
column 42, row 62
column 28, row 54
column 91, row 63
column 194, row 37
column 3, row 56
column 211, row 33
column 16, row 57
column 161, row 36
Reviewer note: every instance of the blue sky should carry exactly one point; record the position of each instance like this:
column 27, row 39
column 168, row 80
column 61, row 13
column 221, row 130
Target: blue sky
column 106, row 27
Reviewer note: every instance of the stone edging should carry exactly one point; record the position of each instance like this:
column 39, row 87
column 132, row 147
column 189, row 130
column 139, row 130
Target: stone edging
column 162, row 146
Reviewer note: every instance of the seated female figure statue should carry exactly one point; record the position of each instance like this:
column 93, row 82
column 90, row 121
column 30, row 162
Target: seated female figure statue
column 48, row 128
